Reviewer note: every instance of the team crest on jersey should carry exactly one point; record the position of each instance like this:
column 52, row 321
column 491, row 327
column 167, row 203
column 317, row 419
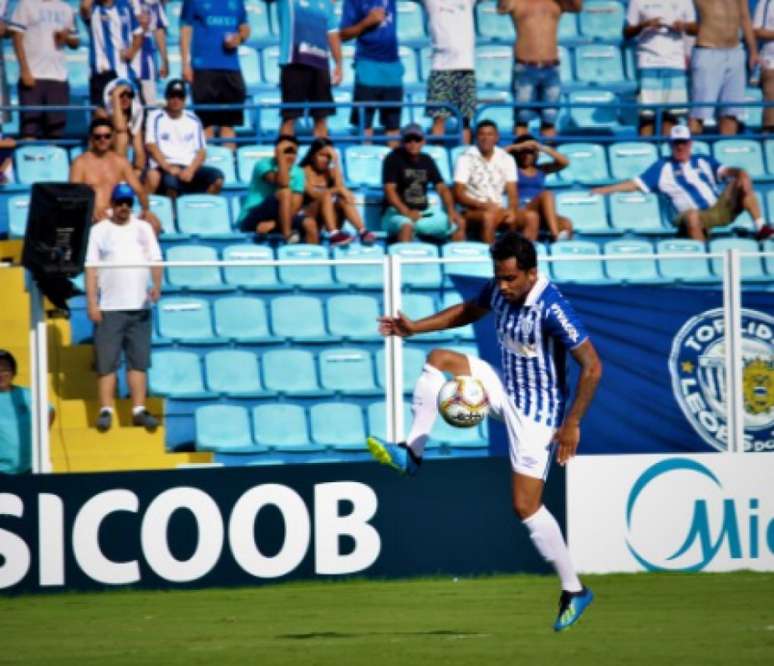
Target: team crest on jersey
column 697, row 367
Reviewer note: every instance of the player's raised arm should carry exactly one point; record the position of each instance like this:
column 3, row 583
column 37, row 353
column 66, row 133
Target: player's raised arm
column 460, row 314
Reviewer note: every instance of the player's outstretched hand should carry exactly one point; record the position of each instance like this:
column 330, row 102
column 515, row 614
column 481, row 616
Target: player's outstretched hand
column 400, row 325
column 567, row 438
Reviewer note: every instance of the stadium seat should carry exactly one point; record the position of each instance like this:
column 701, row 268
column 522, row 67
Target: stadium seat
column 224, row 429
column 247, row 156
column 741, row 153
column 234, row 373
column 458, row 438
column 602, row 20
column 161, row 207
column 417, row 276
column 752, row 267
column 260, row 29
column 268, row 101
column 417, row 306
column 630, row 158
column 494, row 66
column 480, row 264
column 204, row 215
column 638, row 271
column 588, row 165
column 465, row 332
column 299, row 318
column 768, row 246
column 376, row 421
column 283, row 428
column 254, row 278
column 270, row 65
column 222, row 158
column 636, row 211
column 408, row 58
column 441, row 158
column 411, row 22
column 18, row 207
column 177, row 374
column 77, row 64
column 586, row 212
column 698, row 147
column 338, row 425
column 250, row 65
column 292, row 372
column 41, row 163
column 363, row 165
column 242, row 320
column 501, row 114
column 185, row 320
column 577, row 271
column 567, row 31
column 413, row 362
column 173, row 10
column 492, row 25
column 348, row 65
column 338, row 123
column 594, row 110
column 752, row 116
column 194, row 278
column 683, row 270
column 353, row 317
column 360, row 276
column 601, row 65
column 348, row 370
column 768, row 146
column 306, row 277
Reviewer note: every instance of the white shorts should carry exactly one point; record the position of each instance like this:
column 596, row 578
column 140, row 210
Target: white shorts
column 530, row 444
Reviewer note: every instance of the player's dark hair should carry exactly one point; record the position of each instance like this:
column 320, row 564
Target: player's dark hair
column 512, row 244
column 286, row 137
column 486, row 123
column 99, row 122
column 7, row 356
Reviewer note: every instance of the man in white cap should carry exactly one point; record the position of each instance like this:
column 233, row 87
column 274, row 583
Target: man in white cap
column 693, row 185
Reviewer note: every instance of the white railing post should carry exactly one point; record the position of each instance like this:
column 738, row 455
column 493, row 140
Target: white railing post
column 41, row 453
column 732, row 326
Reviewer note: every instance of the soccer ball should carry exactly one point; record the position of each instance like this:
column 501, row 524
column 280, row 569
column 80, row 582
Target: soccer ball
column 463, row 402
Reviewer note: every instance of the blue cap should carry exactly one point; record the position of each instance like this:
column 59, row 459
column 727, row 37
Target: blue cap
column 122, row 192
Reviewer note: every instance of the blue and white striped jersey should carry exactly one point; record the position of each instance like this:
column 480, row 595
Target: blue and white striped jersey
column 691, row 185
column 145, row 64
column 534, row 337
column 111, row 30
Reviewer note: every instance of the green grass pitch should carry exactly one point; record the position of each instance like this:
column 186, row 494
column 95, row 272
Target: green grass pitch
column 691, row 619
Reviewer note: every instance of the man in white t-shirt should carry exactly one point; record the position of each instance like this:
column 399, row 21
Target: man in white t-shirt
column 119, row 302
column 452, row 75
column 659, row 27
column 175, row 141
column 40, row 30
column 483, row 174
column 763, row 24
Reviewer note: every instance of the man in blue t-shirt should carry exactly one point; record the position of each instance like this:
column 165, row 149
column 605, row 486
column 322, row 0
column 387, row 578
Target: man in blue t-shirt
column 378, row 69
column 210, row 35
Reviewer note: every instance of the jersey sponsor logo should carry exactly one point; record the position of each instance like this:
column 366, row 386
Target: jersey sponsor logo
column 697, row 368
column 565, row 323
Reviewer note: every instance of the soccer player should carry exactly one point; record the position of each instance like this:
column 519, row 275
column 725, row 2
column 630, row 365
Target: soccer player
column 535, row 327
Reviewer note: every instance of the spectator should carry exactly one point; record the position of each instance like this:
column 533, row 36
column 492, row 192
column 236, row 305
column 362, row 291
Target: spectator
column 452, row 77
column 406, row 174
column 119, row 302
column 718, row 66
column 4, row 32
column 152, row 61
column 124, row 108
column 691, row 184
column 326, row 198
column 210, row 35
column 41, row 29
column 276, row 192
column 482, row 175
column 763, row 23
column 378, row 70
column 308, row 32
column 659, row 26
column 115, row 38
column 102, row 168
column 15, row 420
column 175, row 141
column 533, row 195
column 536, row 53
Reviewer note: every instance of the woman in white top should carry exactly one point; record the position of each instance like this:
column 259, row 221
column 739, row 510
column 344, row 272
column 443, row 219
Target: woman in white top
column 763, row 24
column 125, row 110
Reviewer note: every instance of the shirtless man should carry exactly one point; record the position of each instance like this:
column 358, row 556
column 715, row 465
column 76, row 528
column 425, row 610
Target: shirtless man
column 536, row 53
column 102, row 168
column 718, row 61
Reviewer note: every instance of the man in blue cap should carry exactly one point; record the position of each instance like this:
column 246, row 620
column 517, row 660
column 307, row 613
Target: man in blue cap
column 119, row 302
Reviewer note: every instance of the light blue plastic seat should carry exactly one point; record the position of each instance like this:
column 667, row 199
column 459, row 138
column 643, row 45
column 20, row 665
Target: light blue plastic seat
column 768, row 147
column 362, row 277
column 269, row 118
column 339, row 425
column 741, row 153
column 542, row 253
column 234, row 373
column 752, row 116
column 250, row 64
column 594, row 110
column 18, row 207
column 577, row 271
column 768, row 246
column 247, row 156
column 441, row 158
column 161, row 207
column 222, row 158
column 348, row 370
column 683, row 270
column 260, row 28
column 567, row 31
column 602, row 19
column 636, row 211
column 630, row 158
column 206, row 278
column 205, row 215
column 173, row 9
column 418, row 306
column 752, row 267
column 411, row 22
column 270, row 64
column 339, row 123
column 600, row 65
column 363, row 165
column 588, row 165
column 242, row 319
column 640, row 271
column 299, row 318
column 698, row 147
column 353, row 317
column 408, row 58
column 586, row 211
column 41, row 163
column 418, row 276
column 77, row 64
column 480, row 264
column 464, row 332
column 283, row 427
column 494, row 66
column 459, row 438
column 501, row 115
column 492, row 25
column 176, row 374
column 566, row 70
column 314, row 278
column 186, row 320
column 292, row 372
column 376, row 420
column 254, row 278
column 413, row 362
column 224, row 429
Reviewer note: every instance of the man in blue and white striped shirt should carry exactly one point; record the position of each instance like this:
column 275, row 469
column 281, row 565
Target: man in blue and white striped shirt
column 535, row 326
column 152, row 61
column 692, row 184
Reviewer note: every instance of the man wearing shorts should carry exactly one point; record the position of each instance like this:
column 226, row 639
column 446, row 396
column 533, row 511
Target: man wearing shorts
column 210, row 35
column 536, row 53
column 452, row 75
column 119, row 302
column 691, row 182
column 309, row 31
column 535, row 326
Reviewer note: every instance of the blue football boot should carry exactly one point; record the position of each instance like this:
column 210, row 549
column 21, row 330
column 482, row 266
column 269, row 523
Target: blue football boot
column 397, row 456
column 571, row 607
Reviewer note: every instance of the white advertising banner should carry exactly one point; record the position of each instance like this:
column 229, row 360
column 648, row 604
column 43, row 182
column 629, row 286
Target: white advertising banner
column 698, row 512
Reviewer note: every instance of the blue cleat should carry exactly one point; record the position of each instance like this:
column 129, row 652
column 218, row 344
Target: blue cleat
column 571, row 607
column 396, row 456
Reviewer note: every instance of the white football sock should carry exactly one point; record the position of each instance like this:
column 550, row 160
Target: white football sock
column 547, row 537
column 424, row 407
